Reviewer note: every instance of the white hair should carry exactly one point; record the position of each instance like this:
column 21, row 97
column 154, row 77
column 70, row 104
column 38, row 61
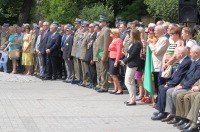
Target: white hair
column 196, row 49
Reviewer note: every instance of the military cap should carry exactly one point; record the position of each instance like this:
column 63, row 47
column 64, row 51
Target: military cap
column 102, row 18
column 5, row 25
column 70, row 27
column 77, row 20
column 96, row 23
column 85, row 24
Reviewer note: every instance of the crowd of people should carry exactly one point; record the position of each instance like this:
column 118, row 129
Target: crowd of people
column 93, row 55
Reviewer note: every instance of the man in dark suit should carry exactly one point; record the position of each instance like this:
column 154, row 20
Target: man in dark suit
column 41, row 48
column 91, row 66
column 177, row 76
column 66, row 49
column 186, row 84
column 52, row 51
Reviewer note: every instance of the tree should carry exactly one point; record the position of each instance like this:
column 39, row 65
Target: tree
column 91, row 13
column 164, row 9
column 15, row 11
column 63, row 11
column 133, row 11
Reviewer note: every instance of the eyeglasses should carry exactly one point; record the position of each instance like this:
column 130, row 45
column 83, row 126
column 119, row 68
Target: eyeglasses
column 45, row 25
column 26, row 28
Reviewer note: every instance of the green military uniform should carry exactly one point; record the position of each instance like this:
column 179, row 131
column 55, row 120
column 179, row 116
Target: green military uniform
column 83, row 48
column 102, row 43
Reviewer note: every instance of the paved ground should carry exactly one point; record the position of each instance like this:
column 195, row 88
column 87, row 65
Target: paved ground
column 28, row 104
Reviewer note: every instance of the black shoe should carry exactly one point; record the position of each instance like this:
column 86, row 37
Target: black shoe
column 158, row 117
column 96, row 88
column 80, row 83
column 112, row 92
column 168, row 118
column 127, row 104
column 89, row 86
column 179, row 123
column 172, row 121
column 46, row 78
column 75, row 81
column 190, row 129
column 119, row 93
column 156, row 113
column 102, row 90
column 54, row 78
column 184, row 126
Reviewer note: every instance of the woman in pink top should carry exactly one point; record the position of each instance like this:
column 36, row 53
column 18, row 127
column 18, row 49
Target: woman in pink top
column 115, row 54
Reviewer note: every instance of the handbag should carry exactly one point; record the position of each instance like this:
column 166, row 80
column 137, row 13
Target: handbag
column 167, row 73
column 14, row 53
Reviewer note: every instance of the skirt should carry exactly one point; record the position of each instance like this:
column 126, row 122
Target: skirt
column 113, row 70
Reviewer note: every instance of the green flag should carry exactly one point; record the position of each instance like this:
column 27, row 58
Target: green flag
column 148, row 71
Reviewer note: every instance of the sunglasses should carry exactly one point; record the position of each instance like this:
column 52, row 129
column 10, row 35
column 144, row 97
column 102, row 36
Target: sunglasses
column 172, row 33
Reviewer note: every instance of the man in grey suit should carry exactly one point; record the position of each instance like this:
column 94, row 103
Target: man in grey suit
column 102, row 42
column 66, row 49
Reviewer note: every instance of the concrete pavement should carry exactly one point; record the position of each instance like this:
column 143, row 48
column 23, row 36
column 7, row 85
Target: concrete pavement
column 28, row 104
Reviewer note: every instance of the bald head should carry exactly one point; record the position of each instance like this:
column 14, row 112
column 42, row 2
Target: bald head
column 181, row 52
column 159, row 31
column 195, row 52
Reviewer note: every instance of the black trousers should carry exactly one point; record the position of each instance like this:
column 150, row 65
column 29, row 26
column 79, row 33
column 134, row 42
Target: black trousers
column 92, row 73
column 80, row 70
column 51, row 66
column 161, row 99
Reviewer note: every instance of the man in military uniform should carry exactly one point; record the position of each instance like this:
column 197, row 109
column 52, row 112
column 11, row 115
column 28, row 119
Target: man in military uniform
column 77, row 24
column 101, row 44
column 80, row 53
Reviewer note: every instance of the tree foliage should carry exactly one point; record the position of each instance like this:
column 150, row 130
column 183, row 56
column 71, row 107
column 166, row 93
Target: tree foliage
column 91, row 13
column 164, row 9
column 134, row 11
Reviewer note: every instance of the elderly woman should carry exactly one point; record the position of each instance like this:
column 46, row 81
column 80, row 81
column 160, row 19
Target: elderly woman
column 13, row 45
column 27, row 57
column 115, row 54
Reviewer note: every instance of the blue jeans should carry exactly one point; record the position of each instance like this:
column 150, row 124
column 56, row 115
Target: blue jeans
column 4, row 67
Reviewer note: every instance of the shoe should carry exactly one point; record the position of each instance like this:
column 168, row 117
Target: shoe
column 102, row 90
column 168, row 118
column 46, row 78
column 156, row 113
column 112, row 92
column 83, row 85
column 54, row 78
column 79, row 83
column 184, row 126
column 96, row 88
column 89, row 86
column 130, row 104
column 172, row 121
column 158, row 117
column 75, row 81
column 148, row 100
column 179, row 123
column 190, row 129
column 139, row 98
column 119, row 93
column 14, row 72
column 143, row 99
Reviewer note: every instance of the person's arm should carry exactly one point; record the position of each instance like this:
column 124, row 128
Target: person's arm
column 14, row 43
column 119, row 51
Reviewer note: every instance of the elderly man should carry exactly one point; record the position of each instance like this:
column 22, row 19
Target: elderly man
column 77, row 24
column 186, row 84
column 52, row 51
column 101, row 44
column 81, row 51
column 158, row 50
column 66, row 49
column 178, row 75
column 184, row 104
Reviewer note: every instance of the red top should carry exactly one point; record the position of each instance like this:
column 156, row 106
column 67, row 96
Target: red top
column 115, row 49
